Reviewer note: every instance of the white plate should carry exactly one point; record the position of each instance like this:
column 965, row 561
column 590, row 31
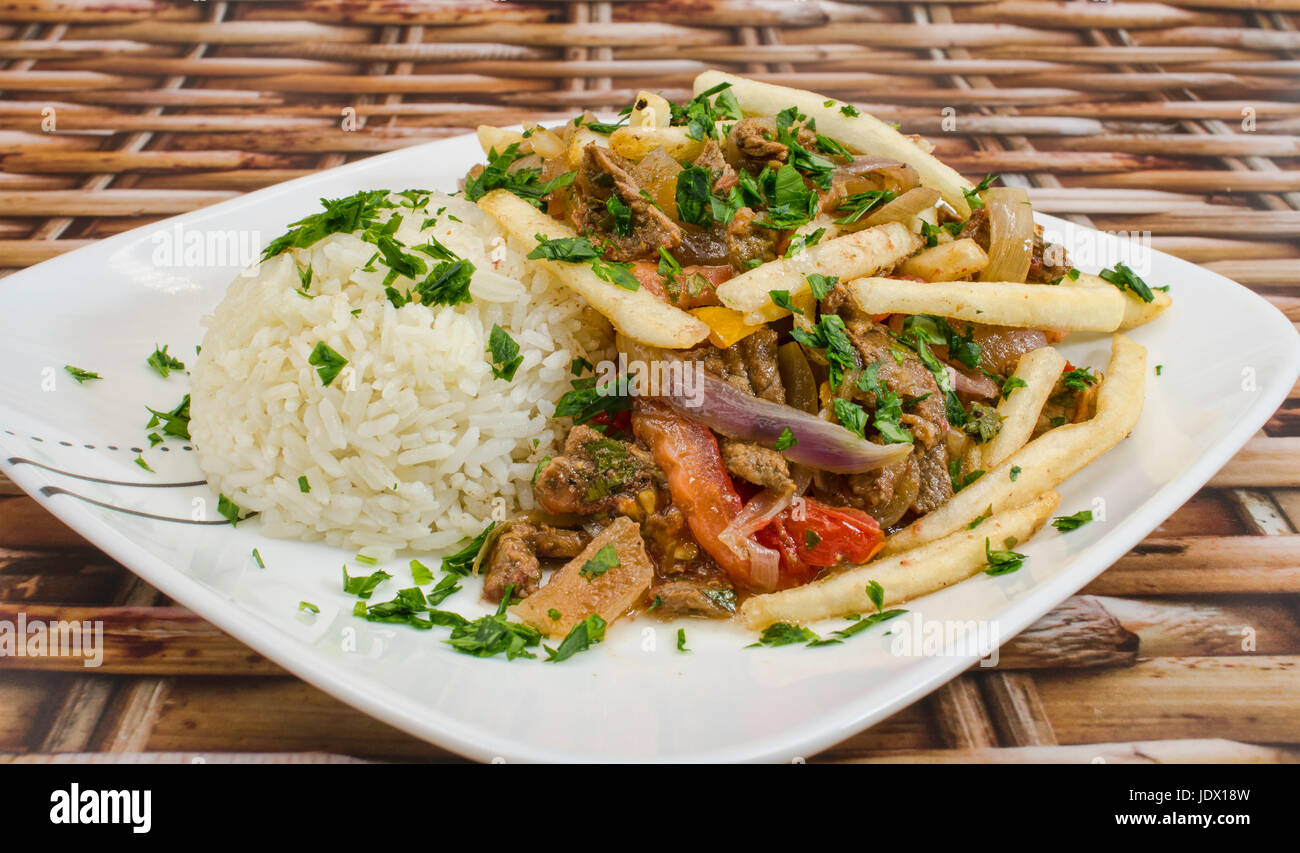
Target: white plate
column 1229, row 359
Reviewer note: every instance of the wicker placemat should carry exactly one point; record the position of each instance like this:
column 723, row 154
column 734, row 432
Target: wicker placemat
column 1179, row 119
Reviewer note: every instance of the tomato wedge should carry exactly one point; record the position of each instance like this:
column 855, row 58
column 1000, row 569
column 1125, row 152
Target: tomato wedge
column 689, row 295
column 689, row 456
column 817, row 536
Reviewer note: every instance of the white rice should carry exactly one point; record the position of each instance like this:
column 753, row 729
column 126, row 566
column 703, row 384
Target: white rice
column 414, row 445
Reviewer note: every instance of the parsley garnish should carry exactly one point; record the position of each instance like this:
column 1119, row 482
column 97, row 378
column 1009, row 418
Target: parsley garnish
column 176, row 422
column 859, row 205
column 327, row 362
column 1011, row 384
column 80, row 375
column 462, row 561
column 581, row 637
column 421, row 574
column 851, row 416
column 228, row 509
column 959, row 480
column 363, row 586
column 577, row 250
column 829, row 334
column 341, row 216
column 781, row 299
column 139, row 460
column 524, row 183
column 821, row 284
column 505, row 354
column 1065, row 523
column 1078, row 379
column 1002, row 562
column 164, row 363
column 972, row 195
column 681, row 640
column 1125, row 279
column 785, row 440
column 303, row 485
column 446, row 284
column 606, row 558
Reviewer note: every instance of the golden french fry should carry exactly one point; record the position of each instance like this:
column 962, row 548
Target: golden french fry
column 1039, row 369
column 638, row 314
column 999, row 303
column 863, row 133
column 636, row 142
column 499, row 139
column 1048, row 460
column 1136, row 312
column 903, row 577
column 946, row 261
column 860, row 253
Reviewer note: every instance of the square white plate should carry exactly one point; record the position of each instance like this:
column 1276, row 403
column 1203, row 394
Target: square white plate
column 1228, row 359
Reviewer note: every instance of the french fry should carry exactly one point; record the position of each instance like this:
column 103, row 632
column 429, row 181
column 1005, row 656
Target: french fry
column 636, row 142
column 1136, row 312
column 861, row 253
column 638, row 314
column 499, row 139
column 863, row 133
column 1048, row 460
column 1039, row 369
column 999, row 303
column 903, row 577
column 947, row 261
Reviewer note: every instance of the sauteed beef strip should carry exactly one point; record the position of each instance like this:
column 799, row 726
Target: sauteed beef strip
column 885, row 494
column 935, row 481
column 603, row 174
column 1002, row 346
column 711, row 158
column 755, row 142
column 712, row 598
column 747, row 241
column 754, row 463
column 687, row 581
column 514, row 558
column 1047, row 261
column 758, row 351
column 595, row 474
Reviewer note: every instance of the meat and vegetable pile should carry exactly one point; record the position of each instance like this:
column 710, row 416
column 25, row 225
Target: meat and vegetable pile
column 863, row 402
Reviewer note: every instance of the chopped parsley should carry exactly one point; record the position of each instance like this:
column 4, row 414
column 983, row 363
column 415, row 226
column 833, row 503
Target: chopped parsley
column 785, row 440
column 821, row 284
column 850, row 110
column 972, row 195
column 1014, row 472
column 606, row 558
column 257, row 556
column 327, row 362
column 790, row 203
column 462, row 561
column 164, row 363
column 525, row 183
column 139, row 460
column 1065, row 523
column 829, row 334
column 859, row 205
column 308, row 607
column 851, row 416
column 784, row 634
column 621, row 215
column 1125, row 279
column 175, row 422
column 1078, row 379
column 1011, row 384
column 959, row 480
column 80, row 375
column 799, row 242
column 867, row 622
column 1002, row 562
column 228, row 509
column 581, row 637
column 422, row 574
column 363, row 586
column 446, row 284
column 810, row 539
column 341, row 216
column 984, row 423
column 889, row 407
column 681, row 641
column 505, row 354
column 781, row 299
column 578, row 250
column 303, row 485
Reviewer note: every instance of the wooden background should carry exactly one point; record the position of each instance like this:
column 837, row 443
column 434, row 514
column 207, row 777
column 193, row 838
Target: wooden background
column 1177, row 118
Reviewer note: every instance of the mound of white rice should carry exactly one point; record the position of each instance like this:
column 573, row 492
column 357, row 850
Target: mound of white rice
column 414, row 444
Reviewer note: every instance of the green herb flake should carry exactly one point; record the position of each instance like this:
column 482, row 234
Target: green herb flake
column 164, row 363
column 257, row 557
column 303, row 485
column 462, row 561
column 785, row 440
column 1066, row 523
column 229, row 510
column 1002, row 562
column 80, row 375
column 505, row 354
column 363, row 586
column 1015, row 472
column 139, row 460
column 781, row 299
column 1127, row 280
column 420, row 573
column 583, row 636
column 308, row 607
column 606, row 558
column 681, row 641
column 327, row 362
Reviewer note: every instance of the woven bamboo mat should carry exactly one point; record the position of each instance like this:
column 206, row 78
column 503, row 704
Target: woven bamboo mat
column 1178, row 118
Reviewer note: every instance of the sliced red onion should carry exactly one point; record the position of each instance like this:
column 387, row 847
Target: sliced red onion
column 702, row 397
column 762, row 509
column 975, row 386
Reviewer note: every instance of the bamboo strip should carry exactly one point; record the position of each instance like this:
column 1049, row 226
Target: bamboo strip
column 1204, row 564
column 1262, row 145
column 77, row 49
column 1016, row 709
column 72, row 80
column 379, row 84
column 1192, row 180
column 1127, row 15
column 925, row 36
column 1198, row 626
column 77, row 12
column 406, row 12
column 960, row 716
column 147, row 161
column 995, row 162
column 1255, row 697
column 1246, row 38
column 107, row 202
column 225, row 32
column 420, row 51
column 206, row 66
column 1171, row 110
